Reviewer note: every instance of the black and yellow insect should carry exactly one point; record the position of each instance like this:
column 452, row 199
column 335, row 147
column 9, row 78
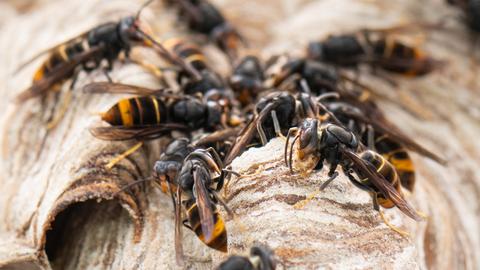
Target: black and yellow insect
column 337, row 146
column 147, row 117
column 138, row 111
column 200, row 178
column 193, row 175
column 154, row 113
column 374, row 47
column 88, row 50
column 189, row 52
column 192, row 55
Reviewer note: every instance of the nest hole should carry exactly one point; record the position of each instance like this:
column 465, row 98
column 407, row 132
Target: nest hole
column 85, row 231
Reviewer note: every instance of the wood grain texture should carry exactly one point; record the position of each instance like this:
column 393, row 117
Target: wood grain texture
column 56, row 178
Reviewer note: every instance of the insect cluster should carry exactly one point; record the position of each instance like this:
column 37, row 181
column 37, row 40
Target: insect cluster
column 325, row 114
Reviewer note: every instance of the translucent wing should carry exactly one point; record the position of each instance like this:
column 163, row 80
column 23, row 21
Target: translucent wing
column 120, row 133
column 118, row 88
column 387, row 189
column 216, row 136
column 178, row 228
column 247, row 134
column 381, row 125
column 203, row 201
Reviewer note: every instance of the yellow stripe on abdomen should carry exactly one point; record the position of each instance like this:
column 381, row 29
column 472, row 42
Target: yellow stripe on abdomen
column 126, row 112
column 379, row 169
column 404, row 164
column 157, row 109
column 218, row 229
column 195, row 57
column 63, row 53
column 218, row 240
column 39, row 74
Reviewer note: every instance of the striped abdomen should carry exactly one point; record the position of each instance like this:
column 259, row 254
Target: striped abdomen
column 218, row 239
column 398, row 156
column 188, row 52
column 59, row 56
column 387, row 170
column 129, row 112
column 400, row 58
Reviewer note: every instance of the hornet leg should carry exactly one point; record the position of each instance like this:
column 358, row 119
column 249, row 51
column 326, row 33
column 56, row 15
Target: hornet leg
column 276, row 125
column 392, row 227
column 122, row 156
column 57, row 117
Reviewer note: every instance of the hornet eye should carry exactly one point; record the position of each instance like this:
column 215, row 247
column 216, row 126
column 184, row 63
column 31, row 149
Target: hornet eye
column 305, row 138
